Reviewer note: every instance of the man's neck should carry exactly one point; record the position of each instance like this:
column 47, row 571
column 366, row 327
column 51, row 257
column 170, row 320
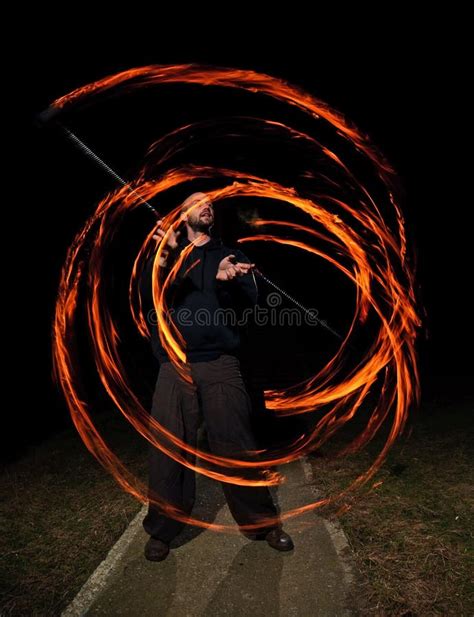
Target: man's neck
column 198, row 238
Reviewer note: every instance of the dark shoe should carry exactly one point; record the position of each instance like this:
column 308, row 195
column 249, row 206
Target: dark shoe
column 156, row 550
column 279, row 540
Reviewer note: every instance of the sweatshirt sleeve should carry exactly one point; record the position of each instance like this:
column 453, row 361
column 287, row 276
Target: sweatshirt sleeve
column 146, row 279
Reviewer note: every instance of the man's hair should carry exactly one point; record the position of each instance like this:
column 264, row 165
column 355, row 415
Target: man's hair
column 192, row 199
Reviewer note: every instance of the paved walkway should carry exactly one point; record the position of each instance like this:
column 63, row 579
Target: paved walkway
column 211, row 574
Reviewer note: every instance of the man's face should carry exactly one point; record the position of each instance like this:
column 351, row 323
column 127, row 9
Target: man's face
column 200, row 215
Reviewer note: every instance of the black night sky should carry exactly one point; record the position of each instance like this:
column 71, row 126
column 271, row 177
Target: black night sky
column 398, row 89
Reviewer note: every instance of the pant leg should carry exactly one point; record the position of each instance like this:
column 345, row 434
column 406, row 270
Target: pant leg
column 226, row 409
column 175, row 407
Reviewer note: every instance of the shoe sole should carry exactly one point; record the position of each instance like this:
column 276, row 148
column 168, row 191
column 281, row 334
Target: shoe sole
column 281, row 548
column 156, row 558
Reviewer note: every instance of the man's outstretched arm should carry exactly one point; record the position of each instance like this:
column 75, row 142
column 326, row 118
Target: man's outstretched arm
column 235, row 273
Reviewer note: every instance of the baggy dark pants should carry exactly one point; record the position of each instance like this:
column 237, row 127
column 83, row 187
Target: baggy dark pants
column 220, row 395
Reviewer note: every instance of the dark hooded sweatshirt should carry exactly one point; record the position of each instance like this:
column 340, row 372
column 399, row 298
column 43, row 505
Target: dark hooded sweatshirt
column 205, row 310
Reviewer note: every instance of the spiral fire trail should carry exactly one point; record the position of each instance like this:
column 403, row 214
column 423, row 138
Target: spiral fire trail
column 351, row 235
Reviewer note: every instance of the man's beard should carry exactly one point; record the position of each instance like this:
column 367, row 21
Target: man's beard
column 201, row 225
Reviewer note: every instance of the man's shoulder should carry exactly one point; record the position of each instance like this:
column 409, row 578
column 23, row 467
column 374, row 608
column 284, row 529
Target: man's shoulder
column 226, row 249
column 239, row 254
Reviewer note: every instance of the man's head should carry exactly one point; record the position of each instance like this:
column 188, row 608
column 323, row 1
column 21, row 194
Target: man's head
column 197, row 212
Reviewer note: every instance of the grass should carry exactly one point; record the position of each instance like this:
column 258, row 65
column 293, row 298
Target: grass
column 411, row 536
column 61, row 513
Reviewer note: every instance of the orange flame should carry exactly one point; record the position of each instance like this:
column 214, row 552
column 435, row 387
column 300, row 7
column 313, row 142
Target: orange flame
column 378, row 270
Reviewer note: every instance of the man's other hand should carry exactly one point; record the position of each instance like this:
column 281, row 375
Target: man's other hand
column 229, row 269
column 172, row 242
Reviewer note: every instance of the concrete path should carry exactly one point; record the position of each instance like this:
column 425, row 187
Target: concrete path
column 210, row 574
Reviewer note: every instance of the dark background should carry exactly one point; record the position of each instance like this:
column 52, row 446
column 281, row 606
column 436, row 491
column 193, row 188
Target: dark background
column 402, row 88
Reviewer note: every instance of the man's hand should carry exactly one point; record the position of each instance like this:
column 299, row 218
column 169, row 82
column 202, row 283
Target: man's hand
column 172, row 242
column 228, row 270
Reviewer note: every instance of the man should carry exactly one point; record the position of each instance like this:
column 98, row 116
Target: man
column 212, row 278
